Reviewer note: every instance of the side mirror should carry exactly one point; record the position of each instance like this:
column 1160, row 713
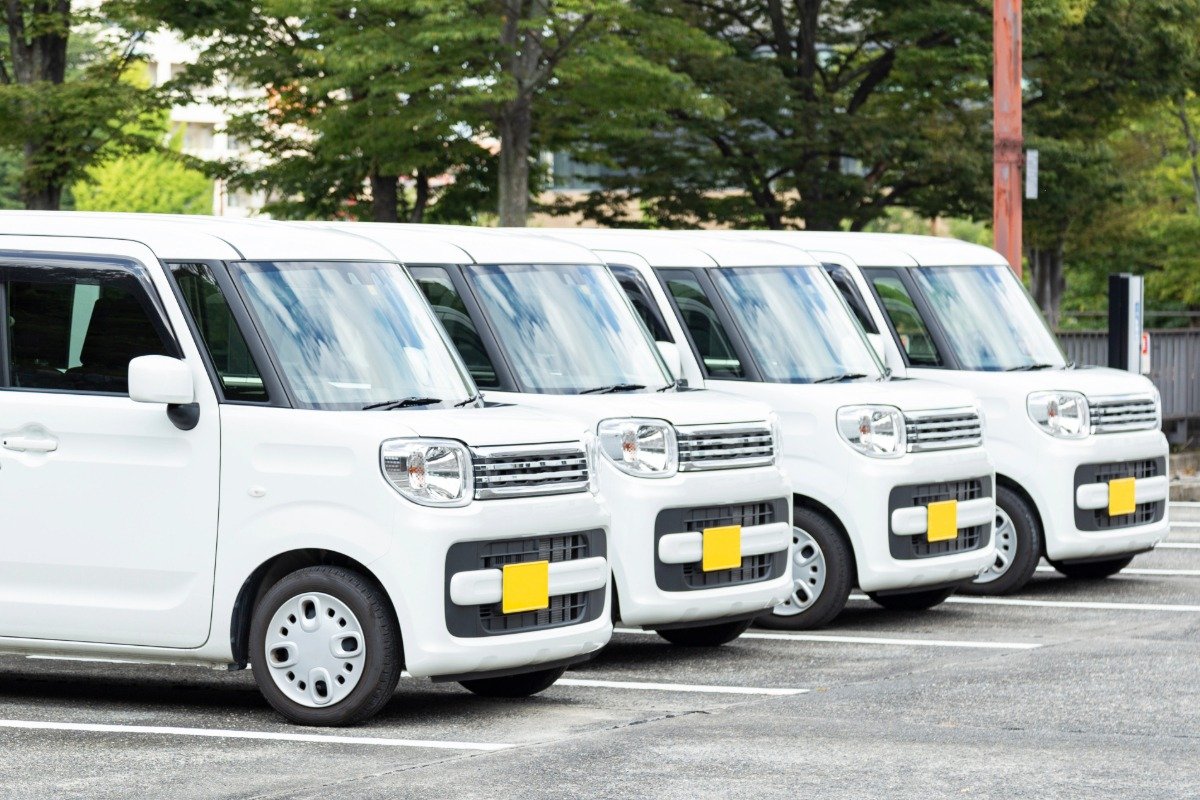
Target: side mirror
column 161, row 379
column 670, row 354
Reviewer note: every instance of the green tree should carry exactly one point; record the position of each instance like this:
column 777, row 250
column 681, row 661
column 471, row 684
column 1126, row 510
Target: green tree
column 10, row 180
column 154, row 182
column 65, row 108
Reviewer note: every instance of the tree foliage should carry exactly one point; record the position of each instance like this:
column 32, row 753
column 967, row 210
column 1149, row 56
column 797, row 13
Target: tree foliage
column 155, row 182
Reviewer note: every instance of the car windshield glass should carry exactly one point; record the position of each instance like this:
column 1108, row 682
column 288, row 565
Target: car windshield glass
column 796, row 325
column 348, row 335
column 989, row 319
column 567, row 329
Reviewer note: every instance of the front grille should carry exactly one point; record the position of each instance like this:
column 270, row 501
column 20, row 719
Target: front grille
column 689, row 577
column 922, row 494
column 528, row 470
column 1098, row 519
column 1118, row 413
column 490, row 620
column 943, row 429
column 703, row 447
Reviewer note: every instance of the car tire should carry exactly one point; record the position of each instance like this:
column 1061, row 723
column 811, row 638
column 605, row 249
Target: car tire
column 706, row 635
column 912, row 601
column 526, row 684
column 822, row 573
column 1092, row 570
column 1019, row 547
column 325, row 646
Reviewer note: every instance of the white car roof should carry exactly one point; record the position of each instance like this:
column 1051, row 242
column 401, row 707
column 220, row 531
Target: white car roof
column 180, row 237
column 686, row 248
column 888, row 249
column 459, row 244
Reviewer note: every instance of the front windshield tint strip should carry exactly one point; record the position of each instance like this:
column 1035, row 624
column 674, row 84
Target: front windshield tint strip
column 796, row 325
column 447, row 300
column 987, row 319
column 349, row 335
column 903, row 315
column 709, row 334
column 567, row 328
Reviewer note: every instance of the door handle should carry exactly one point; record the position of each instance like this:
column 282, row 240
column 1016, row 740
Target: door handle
column 30, row 444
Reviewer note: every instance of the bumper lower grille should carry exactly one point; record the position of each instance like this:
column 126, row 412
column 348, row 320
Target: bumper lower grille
column 703, row 447
column 1116, row 414
column 1144, row 514
column 490, row 620
column 943, row 429
column 922, row 494
column 529, row 470
column 689, row 577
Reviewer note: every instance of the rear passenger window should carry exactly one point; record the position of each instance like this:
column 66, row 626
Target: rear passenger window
column 240, row 378
column 707, row 332
column 906, row 319
column 452, row 312
column 77, row 330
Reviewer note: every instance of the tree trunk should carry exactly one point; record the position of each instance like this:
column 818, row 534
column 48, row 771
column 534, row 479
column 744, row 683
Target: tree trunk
column 384, row 197
column 1193, row 145
column 1048, row 281
column 515, row 128
column 421, row 199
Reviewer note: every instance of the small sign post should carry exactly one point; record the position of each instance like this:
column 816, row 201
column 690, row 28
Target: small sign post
column 1031, row 174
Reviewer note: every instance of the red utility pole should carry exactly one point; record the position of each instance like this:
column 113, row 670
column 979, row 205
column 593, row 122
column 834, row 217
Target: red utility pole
column 1008, row 143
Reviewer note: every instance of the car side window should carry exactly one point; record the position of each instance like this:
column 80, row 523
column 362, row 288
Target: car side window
column 906, row 319
column 707, row 331
column 452, row 312
column 76, row 330
column 845, row 285
column 240, row 377
column 639, row 296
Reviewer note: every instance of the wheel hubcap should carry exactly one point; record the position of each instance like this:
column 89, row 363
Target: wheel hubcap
column 315, row 649
column 1006, row 548
column 808, row 575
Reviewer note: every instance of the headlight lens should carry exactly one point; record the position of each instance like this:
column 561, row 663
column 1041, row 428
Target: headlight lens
column 1061, row 414
column 643, row 447
column 431, row 472
column 876, row 431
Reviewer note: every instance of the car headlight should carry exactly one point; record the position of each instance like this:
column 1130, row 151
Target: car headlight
column 431, row 472
column 642, row 447
column 1061, row 414
column 876, row 431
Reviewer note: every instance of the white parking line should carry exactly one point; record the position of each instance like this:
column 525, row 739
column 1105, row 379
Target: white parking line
column 679, row 687
column 1184, row 573
column 1096, row 606
column 1181, row 524
column 825, row 638
column 1178, row 546
column 217, row 733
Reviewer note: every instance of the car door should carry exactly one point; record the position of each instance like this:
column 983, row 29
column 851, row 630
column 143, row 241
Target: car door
column 108, row 511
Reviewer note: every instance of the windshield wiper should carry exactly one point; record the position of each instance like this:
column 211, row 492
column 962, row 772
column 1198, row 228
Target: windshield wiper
column 475, row 398
column 672, row 385
column 616, row 387
column 845, row 376
column 405, row 402
column 1029, row 367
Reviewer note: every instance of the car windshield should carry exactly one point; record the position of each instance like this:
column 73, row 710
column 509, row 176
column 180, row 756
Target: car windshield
column 796, row 325
column 351, row 335
column 990, row 321
column 567, row 329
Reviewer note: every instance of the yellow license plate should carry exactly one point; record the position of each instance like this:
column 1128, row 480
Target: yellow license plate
column 942, row 521
column 525, row 587
column 722, row 548
column 1122, row 496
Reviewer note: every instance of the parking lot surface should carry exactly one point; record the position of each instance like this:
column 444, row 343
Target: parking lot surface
column 1069, row 689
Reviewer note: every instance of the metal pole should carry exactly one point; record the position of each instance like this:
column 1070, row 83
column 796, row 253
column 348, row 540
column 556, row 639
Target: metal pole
column 1006, row 124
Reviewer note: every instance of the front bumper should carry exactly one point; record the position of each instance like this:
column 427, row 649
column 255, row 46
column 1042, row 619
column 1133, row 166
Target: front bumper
column 657, row 536
column 438, row 570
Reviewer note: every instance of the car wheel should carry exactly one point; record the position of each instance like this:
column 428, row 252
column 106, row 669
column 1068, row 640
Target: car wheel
column 526, row 684
column 822, row 575
column 912, row 601
column 706, row 635
column 1018, row 547
column 1092, row 570
column 325, row 647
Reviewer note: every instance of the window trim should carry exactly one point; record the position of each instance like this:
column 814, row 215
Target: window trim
column 752, row 374
column 18, row 262
column 505, row 374
column 276, row 395
column 932, row 324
